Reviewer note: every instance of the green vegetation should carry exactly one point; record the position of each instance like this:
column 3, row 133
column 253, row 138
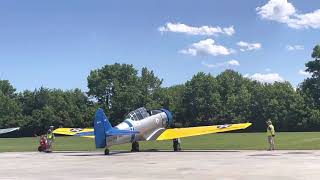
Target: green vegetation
column 223, row 141
column 203, row 100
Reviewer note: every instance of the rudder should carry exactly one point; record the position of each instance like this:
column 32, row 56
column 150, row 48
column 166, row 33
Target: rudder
column 101, row 126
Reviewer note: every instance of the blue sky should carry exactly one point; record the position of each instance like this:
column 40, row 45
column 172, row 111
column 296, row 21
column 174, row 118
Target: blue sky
column 56, row 43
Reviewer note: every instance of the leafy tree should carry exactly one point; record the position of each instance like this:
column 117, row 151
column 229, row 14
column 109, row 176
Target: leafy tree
column 311, row 86
column 201, row 99
column 149, row 87
column 116, row 87
column 10, row 110
column 235, row 97
column 44, row 107
column 7, row 89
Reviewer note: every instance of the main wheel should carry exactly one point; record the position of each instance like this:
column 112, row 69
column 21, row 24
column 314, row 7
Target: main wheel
column 135, row 147
column 106, row 151
column 176, row 145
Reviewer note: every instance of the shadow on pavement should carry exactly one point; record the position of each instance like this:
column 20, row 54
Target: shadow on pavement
column 88, row 153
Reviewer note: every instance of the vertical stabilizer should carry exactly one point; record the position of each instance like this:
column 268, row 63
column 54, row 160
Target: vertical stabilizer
column 101, row 126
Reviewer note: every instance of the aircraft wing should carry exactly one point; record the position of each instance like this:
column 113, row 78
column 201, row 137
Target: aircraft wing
column 74, row 131
column 200, row 130
column 3, row 131
column 164, row 134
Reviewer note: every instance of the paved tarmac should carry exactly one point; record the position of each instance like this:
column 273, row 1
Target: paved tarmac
column 218, row 165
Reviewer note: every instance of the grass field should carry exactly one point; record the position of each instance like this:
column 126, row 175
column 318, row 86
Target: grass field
column 224, row 141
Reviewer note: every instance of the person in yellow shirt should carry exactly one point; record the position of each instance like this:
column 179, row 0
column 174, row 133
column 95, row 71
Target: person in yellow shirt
column 271, row 135
column 50, row 138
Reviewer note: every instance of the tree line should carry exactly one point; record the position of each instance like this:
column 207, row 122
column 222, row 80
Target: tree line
column 203, row 100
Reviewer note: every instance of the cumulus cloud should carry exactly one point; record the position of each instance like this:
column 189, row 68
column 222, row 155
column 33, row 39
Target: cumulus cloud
column 206, row 47
column 284, row 12
column 233, row 62
column 229, row 30
column 223, row 64
column 294, row 47
column 277, row 10
column 266, row 78
column 304, row 73
column 245, row 46
column 191, row 30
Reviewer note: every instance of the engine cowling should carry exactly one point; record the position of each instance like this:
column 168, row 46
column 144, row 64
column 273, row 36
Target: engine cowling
column 169, row 117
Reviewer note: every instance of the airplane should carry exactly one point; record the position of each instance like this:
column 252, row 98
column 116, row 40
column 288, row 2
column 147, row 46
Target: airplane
column 142, row 125
column 3, row 131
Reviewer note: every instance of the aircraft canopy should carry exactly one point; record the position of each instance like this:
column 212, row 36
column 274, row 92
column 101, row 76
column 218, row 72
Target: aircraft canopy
column 138, row 114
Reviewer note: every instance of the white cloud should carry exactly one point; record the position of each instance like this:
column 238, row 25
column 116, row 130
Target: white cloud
column 245, row 46
column 304, row 73
column 189, row 51
column 229, row 30
column 191, row 30
column 294, row 47
column 309, row 20
column 266, row 78
column 233, row 62
column 284, row 12
column 277, row 10
column 223, row 64
column 211, row 65
column 206, row 47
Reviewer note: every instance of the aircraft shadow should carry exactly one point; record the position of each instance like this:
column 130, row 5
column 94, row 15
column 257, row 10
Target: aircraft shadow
column 188, row 150
column 69, row 152
column 117, row 153
column 88, row 154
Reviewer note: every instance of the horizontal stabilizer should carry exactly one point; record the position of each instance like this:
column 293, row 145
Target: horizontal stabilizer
column 85, row 134
column 112, row 132
column 117, row 132
column 74, row 131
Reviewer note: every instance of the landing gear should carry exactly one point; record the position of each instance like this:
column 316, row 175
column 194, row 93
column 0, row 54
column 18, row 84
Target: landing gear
column 176, row 145
column 40, row 149
column 135, row 147
column 106, row 151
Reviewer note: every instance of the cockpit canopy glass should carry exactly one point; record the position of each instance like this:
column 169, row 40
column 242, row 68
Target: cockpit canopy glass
column 138, row 114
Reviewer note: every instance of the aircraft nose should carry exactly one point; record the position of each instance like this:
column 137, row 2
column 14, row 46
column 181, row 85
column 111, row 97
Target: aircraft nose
column 169, row 117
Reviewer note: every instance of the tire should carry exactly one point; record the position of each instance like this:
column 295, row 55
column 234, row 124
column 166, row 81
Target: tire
column 135, row 147
column 176, row 146
column 106, row 152
column 40, row 149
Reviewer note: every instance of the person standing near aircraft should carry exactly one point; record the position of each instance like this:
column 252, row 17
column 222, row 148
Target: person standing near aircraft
column 271, row 135
column 50, row 138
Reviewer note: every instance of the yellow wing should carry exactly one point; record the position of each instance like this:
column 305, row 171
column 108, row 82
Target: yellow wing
column 73, row 131
column 201, row 130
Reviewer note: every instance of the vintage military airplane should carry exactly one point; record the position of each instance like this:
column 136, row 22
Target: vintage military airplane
column 3, row 131
column 142, row 125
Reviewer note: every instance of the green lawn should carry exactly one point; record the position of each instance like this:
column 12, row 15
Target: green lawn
column 224, row 141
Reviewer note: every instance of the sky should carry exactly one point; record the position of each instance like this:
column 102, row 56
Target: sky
column 56, row 44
